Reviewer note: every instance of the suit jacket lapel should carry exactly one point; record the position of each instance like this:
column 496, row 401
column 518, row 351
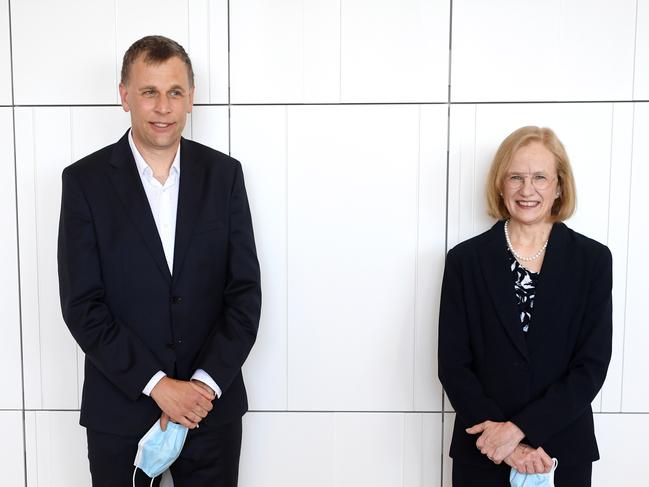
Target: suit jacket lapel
column 190, row 193
column 128, row 185
column 499, row 282
column 551, row 286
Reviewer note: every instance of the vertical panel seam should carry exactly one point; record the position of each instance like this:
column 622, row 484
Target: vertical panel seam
column 448, row 170
column 208, row 21
column 286, row 236
column 628, row 234
column 229, row 85
column 340, row 51
column 38, row 291
column 403, row 449
column 76, row 347
column 608, row 215
column 415, row 314
column 303, row 52
column 117, row 70
column 17, row 226
column 635, row 50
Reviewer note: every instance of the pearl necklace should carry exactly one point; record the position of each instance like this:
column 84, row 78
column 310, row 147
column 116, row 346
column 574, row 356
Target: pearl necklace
column 519, row 257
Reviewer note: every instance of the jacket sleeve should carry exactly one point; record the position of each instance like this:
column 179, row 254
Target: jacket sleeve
column 110, row 345
column 228, row 346
column 567, row 399
column 455, row 355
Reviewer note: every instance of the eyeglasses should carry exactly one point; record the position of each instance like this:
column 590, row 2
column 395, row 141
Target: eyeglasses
column 539, row 180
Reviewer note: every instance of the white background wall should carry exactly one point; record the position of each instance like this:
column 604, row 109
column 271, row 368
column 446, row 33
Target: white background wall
column 362, row 168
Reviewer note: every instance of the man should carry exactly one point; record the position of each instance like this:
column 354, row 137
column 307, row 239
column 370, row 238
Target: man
column 159, row 281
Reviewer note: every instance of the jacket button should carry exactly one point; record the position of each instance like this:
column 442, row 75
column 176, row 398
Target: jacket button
column 179, row 340
column 176, row 299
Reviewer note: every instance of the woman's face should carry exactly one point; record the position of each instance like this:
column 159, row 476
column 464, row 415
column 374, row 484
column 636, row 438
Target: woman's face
column 530, row 185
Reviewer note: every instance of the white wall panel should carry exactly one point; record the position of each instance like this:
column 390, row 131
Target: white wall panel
column 341, row 449
column 369, row 449
column 5, row 55
column 618, row 226
column 622, row 447
column 43, row 149
column 641, row 84
column 288, row 449
column 57, row 453
column 430, row 253
column 321, row 58
column 285, row 51
column 64, row 52
column 259, row 142
column 509, row 50
column 209, row 126
column 10, row 381
column 218, row 48
column 352, row 239
column 635, row 394
column 11, row 449
column 463, row 195
column 394, row 50
column 432, row 449
column 92, row 128
column 208, row 49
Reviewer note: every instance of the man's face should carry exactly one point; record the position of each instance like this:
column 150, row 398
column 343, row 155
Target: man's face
column 159, row 98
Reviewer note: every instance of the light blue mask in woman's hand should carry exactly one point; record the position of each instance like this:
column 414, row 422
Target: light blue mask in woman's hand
column 517, row 479
column 158, row 449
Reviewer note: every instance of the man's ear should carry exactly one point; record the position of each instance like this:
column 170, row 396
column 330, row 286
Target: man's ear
column 122, row 95
column 191, row 99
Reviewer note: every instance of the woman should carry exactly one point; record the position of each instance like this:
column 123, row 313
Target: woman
column 525, row 325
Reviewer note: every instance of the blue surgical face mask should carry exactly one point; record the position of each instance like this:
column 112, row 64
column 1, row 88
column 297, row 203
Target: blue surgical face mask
column 158, row 449
column 517, row 479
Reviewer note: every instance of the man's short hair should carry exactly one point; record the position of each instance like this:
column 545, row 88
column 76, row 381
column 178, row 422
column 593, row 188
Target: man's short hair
column 156, row 50
column 564, row 206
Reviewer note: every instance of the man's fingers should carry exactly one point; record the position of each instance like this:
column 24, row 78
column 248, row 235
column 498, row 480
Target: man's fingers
column 188, row 423
column 204, row 390
column 164, row 419
column 203, row 404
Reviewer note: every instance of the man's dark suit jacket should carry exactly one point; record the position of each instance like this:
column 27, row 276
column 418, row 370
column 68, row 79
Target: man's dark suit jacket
column 130, row 315
column 545, row 382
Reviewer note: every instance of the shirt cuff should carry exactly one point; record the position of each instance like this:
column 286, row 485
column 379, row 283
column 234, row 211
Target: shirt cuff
column 153, row 382
column 204, row 377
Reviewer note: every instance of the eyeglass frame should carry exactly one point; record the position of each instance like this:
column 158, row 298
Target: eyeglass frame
column 516, row 185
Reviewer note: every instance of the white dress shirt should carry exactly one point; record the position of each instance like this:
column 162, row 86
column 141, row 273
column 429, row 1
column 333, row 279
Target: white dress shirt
column 163, row 200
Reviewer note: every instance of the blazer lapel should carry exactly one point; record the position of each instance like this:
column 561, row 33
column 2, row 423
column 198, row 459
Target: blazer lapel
column 499, row 282
column 128, row 185
column 550, row 290
column 190, row 193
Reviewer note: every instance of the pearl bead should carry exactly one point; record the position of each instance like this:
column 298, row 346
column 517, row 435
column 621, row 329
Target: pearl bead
column 519, row 257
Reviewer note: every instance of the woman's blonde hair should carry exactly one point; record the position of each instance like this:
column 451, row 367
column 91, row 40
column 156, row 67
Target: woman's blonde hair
column 564, row 206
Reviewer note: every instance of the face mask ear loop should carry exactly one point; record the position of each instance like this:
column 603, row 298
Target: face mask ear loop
column 151, row 484
column 134, row 472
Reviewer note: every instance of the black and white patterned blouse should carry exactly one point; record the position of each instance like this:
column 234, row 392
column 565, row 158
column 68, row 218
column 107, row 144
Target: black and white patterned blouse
column 525, row 282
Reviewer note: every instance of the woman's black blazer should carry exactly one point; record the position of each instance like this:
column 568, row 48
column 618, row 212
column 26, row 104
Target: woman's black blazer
column 545, row 382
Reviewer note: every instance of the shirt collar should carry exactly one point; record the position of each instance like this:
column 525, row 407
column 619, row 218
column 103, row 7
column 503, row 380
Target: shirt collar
column 142, row 167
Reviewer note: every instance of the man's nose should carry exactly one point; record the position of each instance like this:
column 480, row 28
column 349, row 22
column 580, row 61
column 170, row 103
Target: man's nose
column 162, row 104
